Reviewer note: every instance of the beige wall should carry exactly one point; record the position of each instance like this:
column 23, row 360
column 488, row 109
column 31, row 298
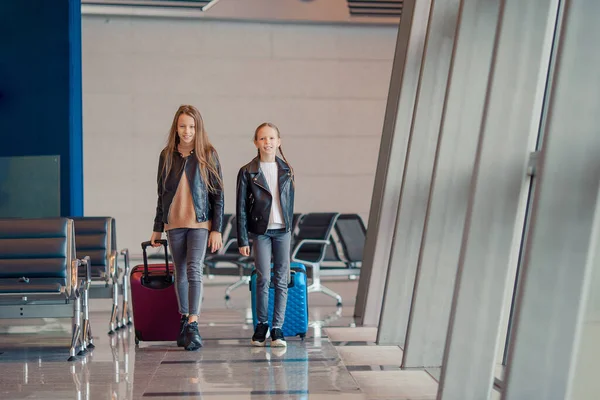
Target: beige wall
column 324, row 86
column 324, row 11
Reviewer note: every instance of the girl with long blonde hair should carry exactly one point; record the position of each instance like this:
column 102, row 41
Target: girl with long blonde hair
column 265, row 210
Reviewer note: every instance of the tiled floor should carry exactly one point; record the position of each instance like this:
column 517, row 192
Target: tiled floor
column 372, row 357
column 339, row 362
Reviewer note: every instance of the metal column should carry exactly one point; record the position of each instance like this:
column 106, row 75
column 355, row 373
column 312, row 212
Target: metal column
column 508, row 133
column 416, row 181
column 555, row 276
column 455, row 157
column 392, row 153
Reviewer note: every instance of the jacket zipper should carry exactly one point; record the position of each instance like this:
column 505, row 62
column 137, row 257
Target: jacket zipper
column 258, row 184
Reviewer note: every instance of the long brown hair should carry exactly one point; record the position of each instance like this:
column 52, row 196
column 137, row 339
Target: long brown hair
column 272, row 126
column 203, row 150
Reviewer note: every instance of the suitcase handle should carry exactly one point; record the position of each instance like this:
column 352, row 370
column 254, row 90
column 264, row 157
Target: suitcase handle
column 168, row 277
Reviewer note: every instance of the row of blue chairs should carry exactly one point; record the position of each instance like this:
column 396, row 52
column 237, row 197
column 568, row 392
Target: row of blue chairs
column 41, row 275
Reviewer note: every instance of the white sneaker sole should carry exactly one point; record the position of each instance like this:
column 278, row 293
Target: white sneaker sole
column 278, row 343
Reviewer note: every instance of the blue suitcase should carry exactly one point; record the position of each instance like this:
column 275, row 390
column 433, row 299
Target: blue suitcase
column 296, row 311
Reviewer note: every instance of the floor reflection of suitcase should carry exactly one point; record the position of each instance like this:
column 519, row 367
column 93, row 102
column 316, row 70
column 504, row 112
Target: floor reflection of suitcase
column 153, row 300
column 296, row 311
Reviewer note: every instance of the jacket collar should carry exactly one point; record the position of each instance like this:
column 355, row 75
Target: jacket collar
column 176, row 152
column 283, row 172
column 254, row 166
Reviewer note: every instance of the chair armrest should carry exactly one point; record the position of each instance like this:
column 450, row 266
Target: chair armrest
column 125, row 254
column 88, row 269
column 111, row 265
column 74, row 275
column 307, row 241
column 75, row 281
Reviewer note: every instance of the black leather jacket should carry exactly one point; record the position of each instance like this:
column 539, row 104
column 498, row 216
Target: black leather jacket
column 253, row 205
column 208, row 206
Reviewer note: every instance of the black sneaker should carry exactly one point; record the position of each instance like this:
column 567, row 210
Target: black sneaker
column 277, row 339
column 182, row 326
column 260, row 335
column 193, row 341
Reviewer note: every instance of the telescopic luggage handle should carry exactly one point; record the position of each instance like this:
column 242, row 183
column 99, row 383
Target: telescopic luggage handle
column 144, row 246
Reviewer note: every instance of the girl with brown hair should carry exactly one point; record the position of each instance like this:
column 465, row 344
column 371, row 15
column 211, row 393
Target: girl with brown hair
column 190, row 210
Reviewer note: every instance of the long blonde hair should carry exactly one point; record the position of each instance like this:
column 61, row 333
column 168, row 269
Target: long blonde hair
column 203, row 150
column 272, row 126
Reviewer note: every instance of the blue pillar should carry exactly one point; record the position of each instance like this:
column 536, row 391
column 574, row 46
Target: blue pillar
column 40, row 88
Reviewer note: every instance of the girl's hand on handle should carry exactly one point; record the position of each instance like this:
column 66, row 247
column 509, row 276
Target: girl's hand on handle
column 215, row 241
column 245, row 251
column 155, row 236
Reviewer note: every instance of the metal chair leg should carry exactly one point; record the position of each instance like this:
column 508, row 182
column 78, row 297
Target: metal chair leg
column 88, row 324
column 244, row 280
column 126, row 316
column 125, row 313
column 113, row 324
column 76, row 336
column 86, row 336
column 119, row 318
column 331, row 293
column 316, row 285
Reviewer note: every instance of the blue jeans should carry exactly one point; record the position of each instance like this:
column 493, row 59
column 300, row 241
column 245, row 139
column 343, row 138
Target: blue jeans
column 188, row 247
column 273, row 246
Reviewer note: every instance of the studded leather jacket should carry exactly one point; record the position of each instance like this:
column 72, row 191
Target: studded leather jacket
column 254, row 199
column 207, row 205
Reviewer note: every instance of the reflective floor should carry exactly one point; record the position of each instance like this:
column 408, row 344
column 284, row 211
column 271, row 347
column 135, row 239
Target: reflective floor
column 335, row 361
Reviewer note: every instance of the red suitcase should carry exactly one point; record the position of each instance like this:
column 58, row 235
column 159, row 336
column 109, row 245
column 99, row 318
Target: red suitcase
column 154, row 301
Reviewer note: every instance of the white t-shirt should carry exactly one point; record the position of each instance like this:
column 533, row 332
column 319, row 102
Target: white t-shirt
column 270, row 171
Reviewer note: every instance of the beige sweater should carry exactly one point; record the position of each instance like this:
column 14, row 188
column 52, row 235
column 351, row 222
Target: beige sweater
column 181, row 211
